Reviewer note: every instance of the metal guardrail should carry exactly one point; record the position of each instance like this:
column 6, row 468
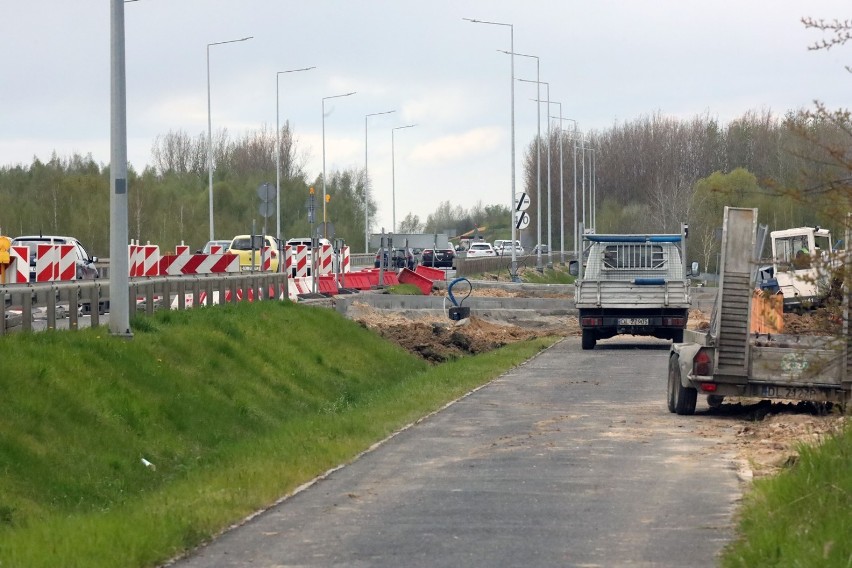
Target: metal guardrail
column 468, row 266
column 89, row 297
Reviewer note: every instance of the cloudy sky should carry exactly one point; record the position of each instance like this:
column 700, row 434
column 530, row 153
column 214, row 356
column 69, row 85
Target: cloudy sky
column 607, row 61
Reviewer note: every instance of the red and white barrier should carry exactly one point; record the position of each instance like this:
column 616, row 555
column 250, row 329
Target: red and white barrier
column 55, row 263
column 301, row 261
column 266, row 254
column 345, row 263
column 199, row 264
column 18, row 271
column 324, row 259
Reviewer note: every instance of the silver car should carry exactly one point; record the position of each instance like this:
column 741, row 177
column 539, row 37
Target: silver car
column 86, row 269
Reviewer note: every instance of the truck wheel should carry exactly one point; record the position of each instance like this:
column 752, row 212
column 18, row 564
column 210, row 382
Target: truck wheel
column 588, row 339
column 681, row 400
column 677, row 336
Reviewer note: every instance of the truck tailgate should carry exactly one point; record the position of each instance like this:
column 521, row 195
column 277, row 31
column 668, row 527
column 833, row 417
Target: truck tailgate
column 628, row 294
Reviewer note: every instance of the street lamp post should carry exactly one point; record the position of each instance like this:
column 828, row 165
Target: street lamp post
column 367, row 184
column 278, row 152
column 549, row 214
column 538, row 265
column 393, row 175
column 324, row 223
column 513, row 270
column 210, row 129
column 574, row 141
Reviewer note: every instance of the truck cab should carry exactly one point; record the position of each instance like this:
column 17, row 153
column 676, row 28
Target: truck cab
column 802, row 266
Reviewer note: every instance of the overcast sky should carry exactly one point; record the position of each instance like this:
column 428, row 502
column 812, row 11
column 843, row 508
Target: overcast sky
column 606, row 61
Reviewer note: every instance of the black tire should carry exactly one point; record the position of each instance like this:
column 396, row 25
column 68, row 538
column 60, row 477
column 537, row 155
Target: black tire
column 681, row 400
column 677, row 336
column 589, row 339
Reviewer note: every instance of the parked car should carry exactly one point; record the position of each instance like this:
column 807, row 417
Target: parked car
column 210, row 244
column 438, row 258
column 399, row 258
column 481, row 250
column 86, row 269
column 243, row 245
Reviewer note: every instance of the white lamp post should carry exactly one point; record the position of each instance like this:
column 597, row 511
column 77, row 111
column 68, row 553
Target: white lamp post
column 324, row 224
column 393, row 175
column 210, row 129
column 549, row 215
column 514, row 266
column 278, row 152
column 538, row 265
column 367, row 184
column 574, row 140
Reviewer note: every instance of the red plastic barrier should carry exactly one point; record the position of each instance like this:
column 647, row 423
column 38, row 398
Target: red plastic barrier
column 356, row 280
column 407, row 276
column 326, row 284
column 433, row 274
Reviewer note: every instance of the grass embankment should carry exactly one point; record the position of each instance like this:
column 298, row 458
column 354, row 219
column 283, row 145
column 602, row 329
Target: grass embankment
column 529, row 274
column 801, row 517
column 233, row 407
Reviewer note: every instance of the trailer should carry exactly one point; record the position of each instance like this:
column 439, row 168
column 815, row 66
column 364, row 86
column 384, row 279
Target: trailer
column 729, row 360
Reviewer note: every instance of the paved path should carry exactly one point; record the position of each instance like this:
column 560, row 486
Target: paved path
column 571, row 459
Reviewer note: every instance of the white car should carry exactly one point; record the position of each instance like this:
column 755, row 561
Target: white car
column 506, row 248
column 481, row 250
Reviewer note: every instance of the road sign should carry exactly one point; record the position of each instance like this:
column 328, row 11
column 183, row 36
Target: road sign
column 266, row 192
column 522, row 220
column 522, row 202
column 266, row 209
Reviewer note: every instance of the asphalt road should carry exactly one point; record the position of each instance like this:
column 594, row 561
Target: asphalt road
column 571, row 459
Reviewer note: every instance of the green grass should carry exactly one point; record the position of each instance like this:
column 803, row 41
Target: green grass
column 234, row 407
column 528, row 274
column 802, row 517
column 404, row 290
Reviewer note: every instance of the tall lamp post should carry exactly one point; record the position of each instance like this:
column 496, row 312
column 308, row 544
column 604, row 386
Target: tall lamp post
column 574, row 141
column 367, row 184
column 210, row 128
column 278, row 151
column 538, row 265
column 324, row 223
column 393, row 174
column 549, row 214
column 514, row 266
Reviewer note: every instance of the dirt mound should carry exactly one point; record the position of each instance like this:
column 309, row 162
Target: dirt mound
column 822, row 321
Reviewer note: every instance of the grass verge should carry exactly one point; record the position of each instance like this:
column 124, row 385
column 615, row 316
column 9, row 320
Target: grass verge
column 232, row 408
column 801, row 517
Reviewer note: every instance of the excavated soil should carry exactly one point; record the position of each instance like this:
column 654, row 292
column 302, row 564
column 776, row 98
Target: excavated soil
column 766, row 437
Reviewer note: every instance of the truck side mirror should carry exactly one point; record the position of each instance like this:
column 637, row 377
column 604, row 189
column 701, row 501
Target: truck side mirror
column 574, row 268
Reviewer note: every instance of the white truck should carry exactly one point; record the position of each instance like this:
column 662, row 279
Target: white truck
column 803, row 269
column 728, row 360
column 632, row 284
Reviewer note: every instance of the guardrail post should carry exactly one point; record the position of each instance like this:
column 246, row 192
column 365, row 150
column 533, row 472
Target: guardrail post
column 2, row 312
column 73, row 307
column 208, row 286
column 51, row 308
column 95, row 304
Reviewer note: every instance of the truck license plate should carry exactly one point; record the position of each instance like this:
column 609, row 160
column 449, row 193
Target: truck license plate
column 632, row 321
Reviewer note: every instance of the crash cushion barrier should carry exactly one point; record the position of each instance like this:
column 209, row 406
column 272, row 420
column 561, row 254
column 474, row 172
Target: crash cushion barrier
column 433, row 274
column 407, row 276
column 373, row 274
column 175, row 265
column 767, row 312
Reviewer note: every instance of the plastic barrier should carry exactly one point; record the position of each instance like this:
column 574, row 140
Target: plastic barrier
column 345, row 261
column 324, row 259
column 407, row 276
column 150, row 260
column 19, row 267
column 301, row 261
column 433, row 274
column 355, row 280
column 326, row 284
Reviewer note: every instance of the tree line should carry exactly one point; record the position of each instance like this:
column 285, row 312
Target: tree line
column 651, row 174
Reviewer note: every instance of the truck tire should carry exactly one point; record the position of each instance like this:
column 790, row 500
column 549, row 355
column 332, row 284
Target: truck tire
column 588, row 339
column 681, row 400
